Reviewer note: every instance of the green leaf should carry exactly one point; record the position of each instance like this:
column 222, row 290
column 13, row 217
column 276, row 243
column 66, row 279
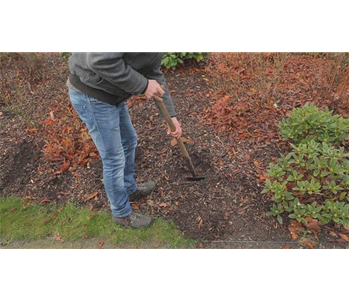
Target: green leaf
column 265, row 190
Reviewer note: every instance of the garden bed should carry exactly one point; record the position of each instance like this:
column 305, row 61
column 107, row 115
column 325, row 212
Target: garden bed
column 47, row 156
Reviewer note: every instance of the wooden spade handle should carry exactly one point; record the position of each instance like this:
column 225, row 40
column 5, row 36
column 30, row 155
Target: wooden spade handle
column 168, row 119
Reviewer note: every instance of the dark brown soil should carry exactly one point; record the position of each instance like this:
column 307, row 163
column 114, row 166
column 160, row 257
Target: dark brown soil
column 226, row 207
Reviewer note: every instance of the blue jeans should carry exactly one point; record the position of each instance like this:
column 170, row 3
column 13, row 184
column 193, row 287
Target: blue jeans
column 112, row 131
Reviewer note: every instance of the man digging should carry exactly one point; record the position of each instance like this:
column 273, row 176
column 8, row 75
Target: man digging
column 99, row 86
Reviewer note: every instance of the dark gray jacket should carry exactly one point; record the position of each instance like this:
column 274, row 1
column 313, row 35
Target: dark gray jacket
column 113, row 77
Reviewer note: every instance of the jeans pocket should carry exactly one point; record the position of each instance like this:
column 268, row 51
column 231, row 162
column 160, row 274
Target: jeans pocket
column 78, row 100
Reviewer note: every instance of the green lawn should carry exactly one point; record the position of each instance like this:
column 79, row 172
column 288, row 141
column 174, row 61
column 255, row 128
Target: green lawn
column 21, row 221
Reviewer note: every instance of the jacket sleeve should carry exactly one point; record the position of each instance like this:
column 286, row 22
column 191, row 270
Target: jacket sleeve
column 111, row 67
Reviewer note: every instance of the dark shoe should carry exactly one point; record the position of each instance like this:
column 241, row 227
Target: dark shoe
column 134, row 220
column 143, row 189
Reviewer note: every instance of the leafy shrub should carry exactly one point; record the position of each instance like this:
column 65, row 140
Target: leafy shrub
column 311, row 181
column 171, row 60
column 310, row 123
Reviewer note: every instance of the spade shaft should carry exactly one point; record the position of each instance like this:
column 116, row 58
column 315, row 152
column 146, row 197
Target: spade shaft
column 180, row 143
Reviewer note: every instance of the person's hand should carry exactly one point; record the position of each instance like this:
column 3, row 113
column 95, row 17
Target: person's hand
column 176, row 134
column 153, row 89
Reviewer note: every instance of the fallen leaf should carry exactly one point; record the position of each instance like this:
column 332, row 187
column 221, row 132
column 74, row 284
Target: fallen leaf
column 65, row 166
column 58, row 238
column 243, row 136
column 30, row 130
column 45, row 201
column 66, row 221
column 262, row 177
column 242, row 210
column 90, row 196
column 25, row 205
column 159, row 244
column 69, row 129
column 256, row 163
column 294, row 235
column 332, row 233
column 135, row 206
column 308, row 242
column 200, row 245
column 344, row 237
column 100, row 244
column 313, row 226
column 286, row 247
column 308, row 219
column 46, row 220
column 13, row 209
column 201, row 221
column 294, row 228
column 48, row 121
column 150, row 202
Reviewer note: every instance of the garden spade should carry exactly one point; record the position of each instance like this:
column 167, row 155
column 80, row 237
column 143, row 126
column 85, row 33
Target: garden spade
column 180, row 143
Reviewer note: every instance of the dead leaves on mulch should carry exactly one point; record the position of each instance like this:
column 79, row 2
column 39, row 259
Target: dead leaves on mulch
column 67, row 142
column 301, row 232
column 252, row 92
column 309, row 242
column 295, row 228
column 313, row 226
